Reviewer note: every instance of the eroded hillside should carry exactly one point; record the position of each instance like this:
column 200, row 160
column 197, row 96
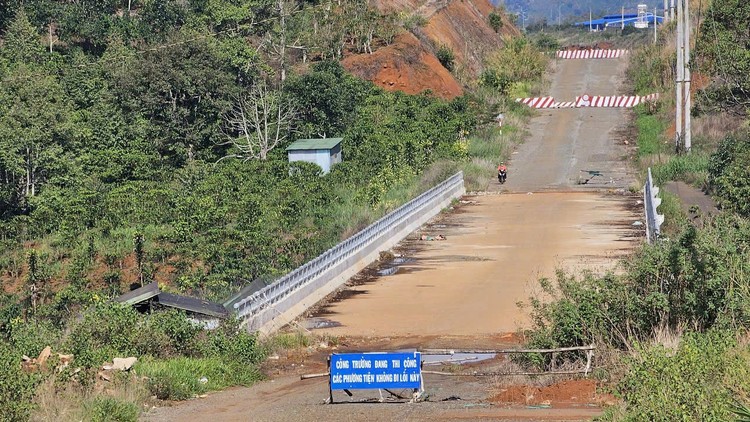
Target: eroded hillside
column 410, row 64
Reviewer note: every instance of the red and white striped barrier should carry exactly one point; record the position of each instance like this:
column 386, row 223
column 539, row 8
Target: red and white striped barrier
column 626, row 101
column 537, row 102
column 590, row 54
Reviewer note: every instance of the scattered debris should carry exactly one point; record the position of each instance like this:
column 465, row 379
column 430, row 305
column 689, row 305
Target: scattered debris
column 203, row 380
column 43, row 356
column 123, row 364
column 637, row 223
column 34, row 364
column 428, row 237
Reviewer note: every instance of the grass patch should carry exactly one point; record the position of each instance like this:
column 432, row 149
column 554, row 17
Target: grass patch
column 674, row 215
column 110, row 409
column 691, row 168
column 184, row 378
column 650, row 130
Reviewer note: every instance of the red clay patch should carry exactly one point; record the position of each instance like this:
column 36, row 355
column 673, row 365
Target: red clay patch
column 562, row 393
column 405, row 66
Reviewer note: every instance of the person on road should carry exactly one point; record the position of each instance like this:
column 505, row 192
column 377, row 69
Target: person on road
column 501, row 173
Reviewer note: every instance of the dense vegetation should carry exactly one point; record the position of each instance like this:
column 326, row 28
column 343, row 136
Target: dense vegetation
column 676, row 318
column 129, row 127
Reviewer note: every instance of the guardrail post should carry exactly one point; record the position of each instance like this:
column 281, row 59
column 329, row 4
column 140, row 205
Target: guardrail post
column 651, row 201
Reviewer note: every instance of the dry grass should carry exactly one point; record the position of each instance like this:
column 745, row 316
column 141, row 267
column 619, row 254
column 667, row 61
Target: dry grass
column 55, row 404
column 714, row 127
column 67, row 402
column 668, row 337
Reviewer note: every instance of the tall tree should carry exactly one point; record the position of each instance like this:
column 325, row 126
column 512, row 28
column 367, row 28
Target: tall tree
column 258, row 122
column 33, row 117
column 22, row 43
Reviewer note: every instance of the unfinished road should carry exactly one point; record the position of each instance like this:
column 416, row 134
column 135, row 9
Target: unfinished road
column 565, row 205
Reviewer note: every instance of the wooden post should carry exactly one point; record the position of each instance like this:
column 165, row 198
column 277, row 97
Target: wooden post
column 330, row 387
column 589, row 356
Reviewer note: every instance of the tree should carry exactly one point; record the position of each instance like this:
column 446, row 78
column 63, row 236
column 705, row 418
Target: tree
column 33, row 119
column 181, row 91
column 258, row 122
column 496, row 21
column 277, row 37
column 327, row 99
column 22, row 42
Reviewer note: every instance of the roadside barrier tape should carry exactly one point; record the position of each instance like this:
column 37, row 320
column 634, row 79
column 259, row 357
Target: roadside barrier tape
column 591, row 54
column 537, row 102
column 626, row 101
column 603, row 101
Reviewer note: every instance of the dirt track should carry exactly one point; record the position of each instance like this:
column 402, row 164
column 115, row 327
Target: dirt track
column 496, row 248
column 463, row 290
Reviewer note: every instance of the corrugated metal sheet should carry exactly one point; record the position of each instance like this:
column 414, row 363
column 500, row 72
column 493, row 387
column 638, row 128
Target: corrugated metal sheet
column 151, row 292
column 140, row 294
column 324, row 143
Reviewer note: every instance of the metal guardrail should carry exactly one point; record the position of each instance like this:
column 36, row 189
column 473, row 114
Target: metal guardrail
column 274, row 293
column 650, row 202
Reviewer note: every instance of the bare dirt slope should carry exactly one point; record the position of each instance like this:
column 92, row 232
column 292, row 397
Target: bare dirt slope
column 462, row 291
column 409, row 64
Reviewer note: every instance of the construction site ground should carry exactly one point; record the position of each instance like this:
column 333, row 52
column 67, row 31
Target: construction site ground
column 567, row 204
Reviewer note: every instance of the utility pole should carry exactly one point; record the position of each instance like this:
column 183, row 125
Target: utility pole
column 686, row 76
column 622, row 17
column 654, row 25
column 666, row 11
column 680, row 69
column 590, row 29
column 671, row 9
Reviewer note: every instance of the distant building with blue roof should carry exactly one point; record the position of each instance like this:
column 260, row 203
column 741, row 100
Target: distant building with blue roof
column 642, row 19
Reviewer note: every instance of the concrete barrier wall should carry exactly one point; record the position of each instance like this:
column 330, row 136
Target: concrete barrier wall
column 281, row 302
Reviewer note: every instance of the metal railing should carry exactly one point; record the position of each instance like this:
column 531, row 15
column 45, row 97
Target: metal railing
column 650, row 202
column 417, row 209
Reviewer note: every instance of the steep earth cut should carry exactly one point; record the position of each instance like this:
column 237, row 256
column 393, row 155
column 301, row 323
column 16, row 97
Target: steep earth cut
column 406, row 66
column 410, row 65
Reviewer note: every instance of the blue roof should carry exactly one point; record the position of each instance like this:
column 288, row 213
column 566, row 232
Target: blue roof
column 631, row 21
column 620, row 16
column 592, row 22
column 611, row 20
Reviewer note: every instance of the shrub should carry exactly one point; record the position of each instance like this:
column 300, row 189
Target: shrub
column 547, row 42
column 110, row 409
column 414, row 21
column 495, row 21
column 698, row 278
column 106, row 331
column 9, row 310
column 177, row 328
column 694, row 382
column 729, row 174
column 16, row 386
column 30, row 337
column 446, row 57
column 518, row 61
column 492, row 79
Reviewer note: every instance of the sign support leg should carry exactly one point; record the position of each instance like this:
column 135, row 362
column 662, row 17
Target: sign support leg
column 330, row 387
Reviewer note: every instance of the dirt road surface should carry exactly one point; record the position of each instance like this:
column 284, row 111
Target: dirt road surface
column 565, row 205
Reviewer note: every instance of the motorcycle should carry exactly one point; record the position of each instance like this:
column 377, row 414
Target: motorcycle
column 501, row 176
